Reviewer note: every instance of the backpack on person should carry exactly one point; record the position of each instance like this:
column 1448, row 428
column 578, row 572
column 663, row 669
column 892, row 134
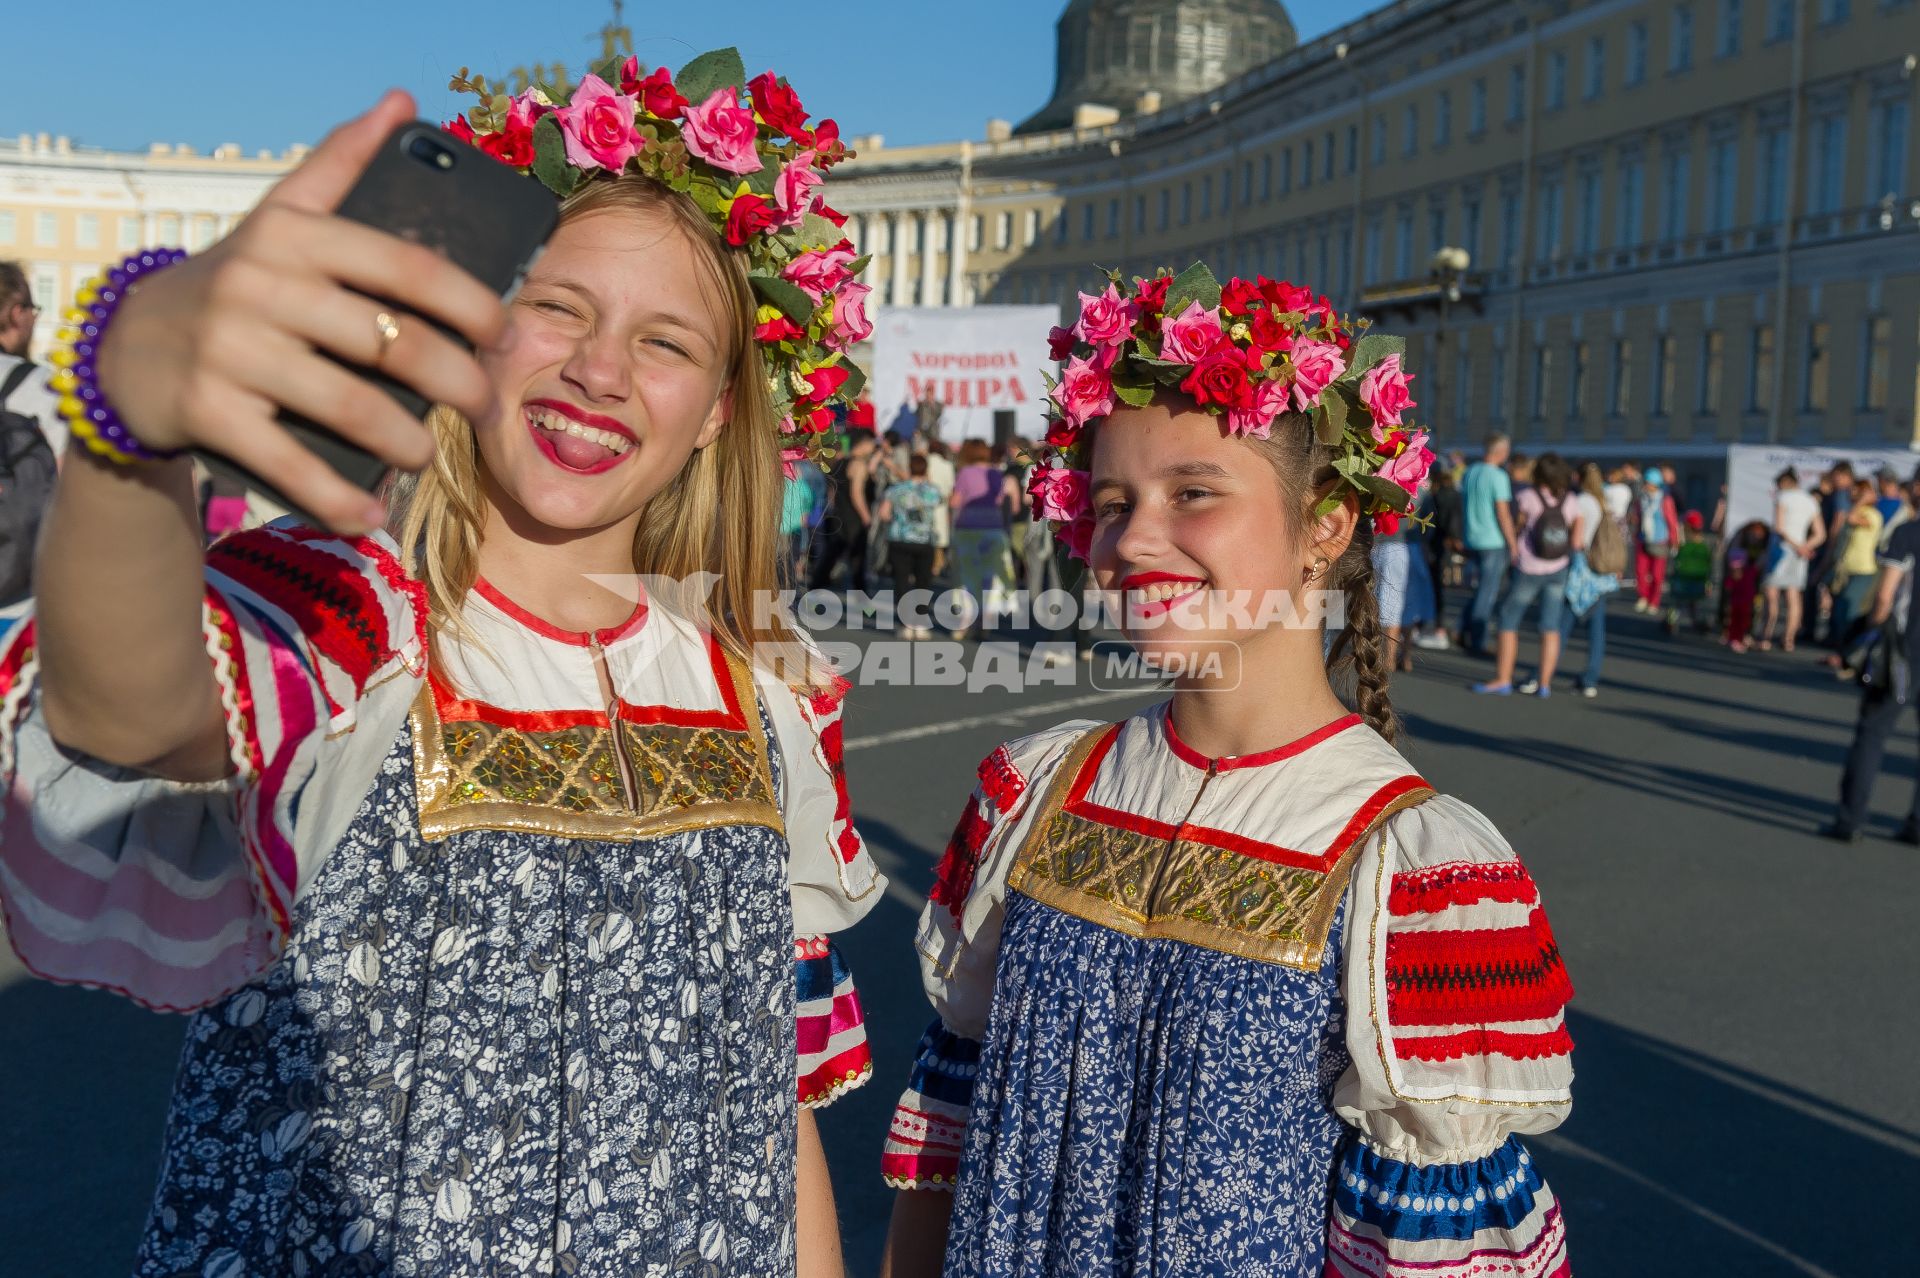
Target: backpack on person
column 1607, row 553
column 1550, row 536
column 27, row 471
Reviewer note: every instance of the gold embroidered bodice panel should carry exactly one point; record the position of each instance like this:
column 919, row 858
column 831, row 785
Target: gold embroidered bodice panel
column 477, row 767
column 1181, row 882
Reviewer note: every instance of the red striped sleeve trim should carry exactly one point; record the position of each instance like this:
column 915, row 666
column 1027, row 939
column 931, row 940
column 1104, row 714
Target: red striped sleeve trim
column 1432, row 890
column 1484, row 1042
column 331, row 601
column 1476, row 977
column 842, row 1073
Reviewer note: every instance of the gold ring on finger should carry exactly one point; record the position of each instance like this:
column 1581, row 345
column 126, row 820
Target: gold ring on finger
column 389, row 334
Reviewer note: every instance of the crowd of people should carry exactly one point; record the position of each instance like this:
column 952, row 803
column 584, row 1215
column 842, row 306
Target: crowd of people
column 1513, row 537
column 910, row 510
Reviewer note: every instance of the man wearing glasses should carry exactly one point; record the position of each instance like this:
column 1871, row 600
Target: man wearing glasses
column 17, row 311
column 32, row 397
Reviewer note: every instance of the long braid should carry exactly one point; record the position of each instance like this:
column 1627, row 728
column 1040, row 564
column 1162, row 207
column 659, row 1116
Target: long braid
column 1360, row 646
column 1306, row 468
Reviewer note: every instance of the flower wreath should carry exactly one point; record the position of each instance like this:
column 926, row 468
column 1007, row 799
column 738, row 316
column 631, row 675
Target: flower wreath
column 1247, row 352
column 752, row 169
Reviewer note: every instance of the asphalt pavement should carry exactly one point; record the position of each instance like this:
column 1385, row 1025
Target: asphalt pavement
column 1744, row 1021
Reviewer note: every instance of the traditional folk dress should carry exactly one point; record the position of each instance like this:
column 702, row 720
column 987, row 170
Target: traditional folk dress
column 1279, row 1015
column 501, row 962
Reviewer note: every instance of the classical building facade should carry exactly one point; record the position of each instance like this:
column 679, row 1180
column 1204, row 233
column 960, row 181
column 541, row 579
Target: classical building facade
column 66, row 210
column 1689, row 222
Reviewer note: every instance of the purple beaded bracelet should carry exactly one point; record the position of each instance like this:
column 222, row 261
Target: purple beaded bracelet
column 85, row 408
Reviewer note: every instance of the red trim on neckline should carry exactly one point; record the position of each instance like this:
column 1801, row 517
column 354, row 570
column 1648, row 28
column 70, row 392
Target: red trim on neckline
column 453, row 708
column 546, row 629
column 1079, row 805
column 1227, row 763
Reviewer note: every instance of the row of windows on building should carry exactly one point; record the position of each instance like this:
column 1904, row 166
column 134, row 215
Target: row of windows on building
column 194, row 231
column 1813, row 394
column 1298, row 166
column 1571, row 207
column 1569, row 210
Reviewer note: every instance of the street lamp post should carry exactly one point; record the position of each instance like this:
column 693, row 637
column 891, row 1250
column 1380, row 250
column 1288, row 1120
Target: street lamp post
column 1448, row 269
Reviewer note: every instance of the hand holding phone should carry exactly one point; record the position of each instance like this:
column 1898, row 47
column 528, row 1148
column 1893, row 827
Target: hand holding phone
column 246, row 351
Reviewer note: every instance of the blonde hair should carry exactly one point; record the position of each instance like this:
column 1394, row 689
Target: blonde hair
column 719, row 515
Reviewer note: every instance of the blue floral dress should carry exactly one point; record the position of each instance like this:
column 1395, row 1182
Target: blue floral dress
column 1277, row 1015
column 540, row 1002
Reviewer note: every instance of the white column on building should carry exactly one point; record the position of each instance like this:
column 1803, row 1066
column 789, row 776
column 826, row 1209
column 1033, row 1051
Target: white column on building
column 962, row 241
column 897, row 252
column 957, row 241
column 929, row 258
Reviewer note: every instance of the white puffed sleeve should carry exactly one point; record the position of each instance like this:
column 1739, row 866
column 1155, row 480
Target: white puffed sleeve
column 959, row 943
column 175, row 894
column 1456, row 1000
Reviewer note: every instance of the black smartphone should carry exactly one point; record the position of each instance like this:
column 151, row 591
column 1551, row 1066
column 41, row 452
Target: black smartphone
column 427, row 186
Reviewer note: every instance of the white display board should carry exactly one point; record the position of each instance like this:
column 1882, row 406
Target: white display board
column 1751, row 469
column 973, row 359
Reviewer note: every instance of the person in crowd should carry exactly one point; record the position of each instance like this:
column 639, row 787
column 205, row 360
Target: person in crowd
column 18, row 311
column 1656, row 527
column 1692, row 576
column 796, row 508
column 1486, row 497
column 941, row 474
column 982, row 501
column 1883, row 698
column 502, row 892
column 1890, row 497
column 1443, row 542
column 1834, row 492
column 1618, row 493
column 33, row 440
column 1857, row 563
column 1798, row 525
column 1404, row 588
column 844, row 531
column 1187, row 1055
column 1549, row 518
column 908, row 508
column 1746, row 564
column 1590, row 494
column 1670, row 478
column 1520, row 470
column 861, row 415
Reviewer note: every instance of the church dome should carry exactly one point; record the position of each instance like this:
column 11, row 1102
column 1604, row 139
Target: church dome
column 1110, row 52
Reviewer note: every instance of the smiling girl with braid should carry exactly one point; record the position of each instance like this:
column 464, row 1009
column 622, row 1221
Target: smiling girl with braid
column 1225, row 988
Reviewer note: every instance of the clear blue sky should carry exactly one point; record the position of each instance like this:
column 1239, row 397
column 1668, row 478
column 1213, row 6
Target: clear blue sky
column 265, row 73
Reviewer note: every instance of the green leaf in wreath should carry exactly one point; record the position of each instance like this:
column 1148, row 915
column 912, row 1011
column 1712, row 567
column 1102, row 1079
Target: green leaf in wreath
column 1331, row 423
column 1136, row 396
column 702, row 77
column 790, row 298
column 608, row 69
column 761, row 180
column 1384, row 490
column 1195, row 284
column 818, row 232
column 856, row 380
column 1373, row 348
column 550, row 157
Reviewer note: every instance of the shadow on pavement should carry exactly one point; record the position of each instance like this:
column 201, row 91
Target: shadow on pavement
column 87, row 1089
column 1729, row 796
column 1675, row 1163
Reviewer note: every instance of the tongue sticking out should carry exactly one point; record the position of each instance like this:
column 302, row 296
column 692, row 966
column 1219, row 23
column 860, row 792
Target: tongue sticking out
column 577, row 453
